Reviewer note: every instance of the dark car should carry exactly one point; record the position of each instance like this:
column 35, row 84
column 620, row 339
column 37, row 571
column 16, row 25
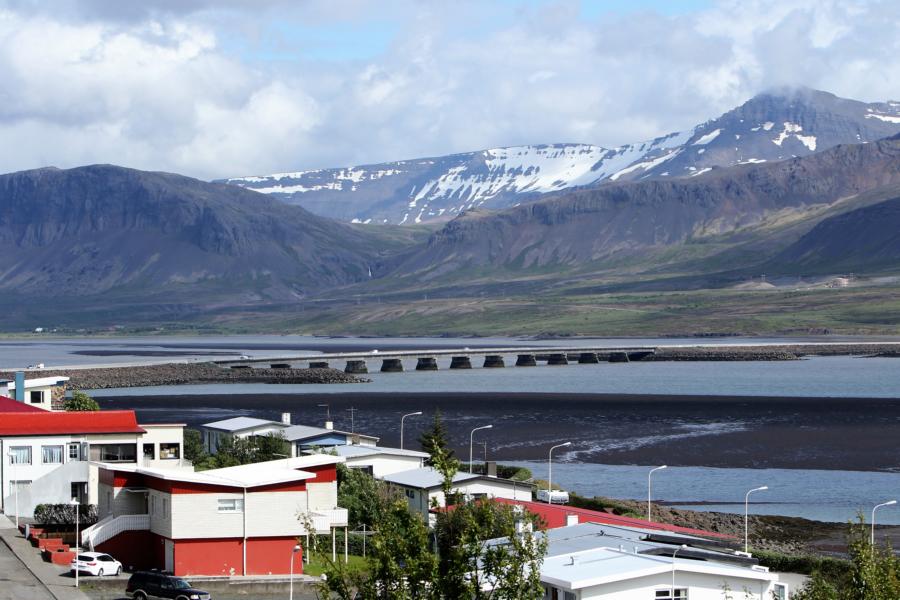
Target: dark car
column 145, row 584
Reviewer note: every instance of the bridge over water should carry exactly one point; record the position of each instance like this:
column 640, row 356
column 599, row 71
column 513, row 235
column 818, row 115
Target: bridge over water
column 426, row 360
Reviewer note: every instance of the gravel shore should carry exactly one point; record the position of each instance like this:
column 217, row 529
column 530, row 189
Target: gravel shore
column 181, row 374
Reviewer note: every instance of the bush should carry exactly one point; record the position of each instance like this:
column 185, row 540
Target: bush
column 64, row 514
column 80, row 402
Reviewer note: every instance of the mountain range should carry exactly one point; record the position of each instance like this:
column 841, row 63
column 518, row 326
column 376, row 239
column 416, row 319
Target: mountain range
column 769, row 127
column 104, row 244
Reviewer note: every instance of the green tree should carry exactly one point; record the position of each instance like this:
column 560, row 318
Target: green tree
column 193, row 446
column 80, row 402
column 435, row 437
column 232, row 451
column 363, row 496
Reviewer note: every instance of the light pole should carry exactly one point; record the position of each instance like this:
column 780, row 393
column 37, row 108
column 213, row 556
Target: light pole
column 747, row 516
column 877, row 506
column 77, row 541
column 675, row 553
column 649, row 516
column 14, row 461
column 472, row 443
column 550, row 469
column 294, row 552
column 412, row 414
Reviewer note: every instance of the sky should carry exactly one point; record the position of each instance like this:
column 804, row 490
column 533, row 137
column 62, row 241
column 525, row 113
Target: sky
column 224, row 88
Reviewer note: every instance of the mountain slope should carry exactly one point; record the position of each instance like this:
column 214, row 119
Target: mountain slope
column 93, row 229
column 772, row 126
column 582, row 226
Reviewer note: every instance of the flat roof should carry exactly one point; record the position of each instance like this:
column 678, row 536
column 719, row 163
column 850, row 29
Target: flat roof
column 354, row 450
column 301, row 432
column 39, row 382
column 241, row 423
column 428, row 478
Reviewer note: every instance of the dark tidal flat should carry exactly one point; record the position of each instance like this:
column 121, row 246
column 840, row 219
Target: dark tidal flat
column 716, row 431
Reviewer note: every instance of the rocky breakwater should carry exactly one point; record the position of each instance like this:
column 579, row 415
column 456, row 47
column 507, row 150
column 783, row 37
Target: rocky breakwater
column 182, row 374
column 773, row 352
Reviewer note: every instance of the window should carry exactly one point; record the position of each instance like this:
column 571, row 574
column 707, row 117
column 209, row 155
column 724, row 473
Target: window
column 666, row 594
column 36, row 397
column 169, row 451
column 78, row 489
column 779, row 591
column 165, row 508
column 74, row 451
column 568, row 596
column 20, row 485
column 149, row 451
column 51, row 455
column 114, row 452
column 152, row 505
column 20, row 455
column 231, row 505
column 410, row 494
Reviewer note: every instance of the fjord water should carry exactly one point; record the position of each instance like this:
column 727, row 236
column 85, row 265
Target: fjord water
column 838, row 418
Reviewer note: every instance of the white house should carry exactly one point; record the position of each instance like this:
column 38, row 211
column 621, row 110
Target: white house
column 215, row 433
column 242, row 520
column 421, row 486
column 379, row 461
column 47, row 393
column 45, row 455
column 593, row 561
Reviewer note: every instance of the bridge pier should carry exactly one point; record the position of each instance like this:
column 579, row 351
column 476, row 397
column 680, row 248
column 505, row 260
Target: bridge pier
column 460, row 362
column 526, row 360
column 318, row 364
column 426, row 363
column 391, row 365
column 618, row 357
column 356, row 367
column 588, row 358
column 558, row 359
column 493, row 361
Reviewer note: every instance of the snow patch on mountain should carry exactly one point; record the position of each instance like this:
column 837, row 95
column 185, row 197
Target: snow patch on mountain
column 703, row 140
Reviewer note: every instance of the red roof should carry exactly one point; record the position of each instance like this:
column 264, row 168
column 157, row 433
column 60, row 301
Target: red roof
column 554, row 515
column 61, row 423
column 14, row 406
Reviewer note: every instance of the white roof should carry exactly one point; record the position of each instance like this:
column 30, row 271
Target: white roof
column 605, row 565
column 355, row 451
column 241, row 423
column 428, row 478
column 301, row 432
column 243, row 476
column 39, row 382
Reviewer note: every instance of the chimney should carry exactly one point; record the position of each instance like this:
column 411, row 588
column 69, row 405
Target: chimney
column 329, row 424
column 20, row 386
column 491, row 468
column 286, row 418
column 571, row 520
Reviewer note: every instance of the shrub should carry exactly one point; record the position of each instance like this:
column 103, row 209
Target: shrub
column 64, row 514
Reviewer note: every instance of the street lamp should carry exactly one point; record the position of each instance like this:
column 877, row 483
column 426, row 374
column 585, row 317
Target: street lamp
column 877, row 506
column 77, row 506
column 550, row 468
column 294, row 552
column 649, row 516
column 412, row 414
column 14, row 461
column 674, row 554
column 472, row 443
column 747, row 517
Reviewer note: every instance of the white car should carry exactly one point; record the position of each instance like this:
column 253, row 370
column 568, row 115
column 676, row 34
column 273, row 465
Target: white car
column 96, row 563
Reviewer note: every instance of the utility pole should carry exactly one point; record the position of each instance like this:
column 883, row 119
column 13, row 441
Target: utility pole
column 352, row 412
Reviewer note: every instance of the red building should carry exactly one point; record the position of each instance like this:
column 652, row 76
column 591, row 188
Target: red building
column 242, row 520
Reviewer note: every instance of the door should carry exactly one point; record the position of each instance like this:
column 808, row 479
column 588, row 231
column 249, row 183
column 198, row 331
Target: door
column 170, row 556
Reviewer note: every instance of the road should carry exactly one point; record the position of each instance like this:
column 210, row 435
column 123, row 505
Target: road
column 17, row 582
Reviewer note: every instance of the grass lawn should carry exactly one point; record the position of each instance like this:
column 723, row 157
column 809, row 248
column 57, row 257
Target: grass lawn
column 320, row 561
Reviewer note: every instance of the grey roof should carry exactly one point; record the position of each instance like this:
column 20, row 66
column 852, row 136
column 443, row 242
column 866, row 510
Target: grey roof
column 428, row 478
column 241, row 423
column 359, row 451
column 296, row 433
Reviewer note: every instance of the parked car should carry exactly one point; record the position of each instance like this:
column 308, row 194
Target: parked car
column 96, row 563
column 555, row 497
column 149, row 584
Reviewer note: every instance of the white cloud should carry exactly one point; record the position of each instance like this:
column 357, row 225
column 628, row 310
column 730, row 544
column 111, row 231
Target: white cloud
column 191, row 87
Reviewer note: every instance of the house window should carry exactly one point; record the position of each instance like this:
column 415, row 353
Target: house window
column 74, row 451
column 569, row 596
column 165, row 508
column 36, row 397
column 229, row 505
column 78, row 490
column 114, row 452
column 52, row 455
column 680, row 594
column 779, row 591
column 169, row 451
column 21, row 485
column 149, row 451
column 20, row 455
column 410, row 494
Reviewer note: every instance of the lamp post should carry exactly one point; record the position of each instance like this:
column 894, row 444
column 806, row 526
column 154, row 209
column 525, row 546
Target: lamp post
column 674, row 554
column 877, row 506
column 14, row 461
column 550, row 469
column 412, row 414
column 75, row 503
column 649, row 516
column 472, row 443
column 294, row 552
column 747, row 516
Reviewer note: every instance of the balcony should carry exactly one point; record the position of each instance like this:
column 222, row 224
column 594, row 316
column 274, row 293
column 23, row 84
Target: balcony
column 324, row 520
